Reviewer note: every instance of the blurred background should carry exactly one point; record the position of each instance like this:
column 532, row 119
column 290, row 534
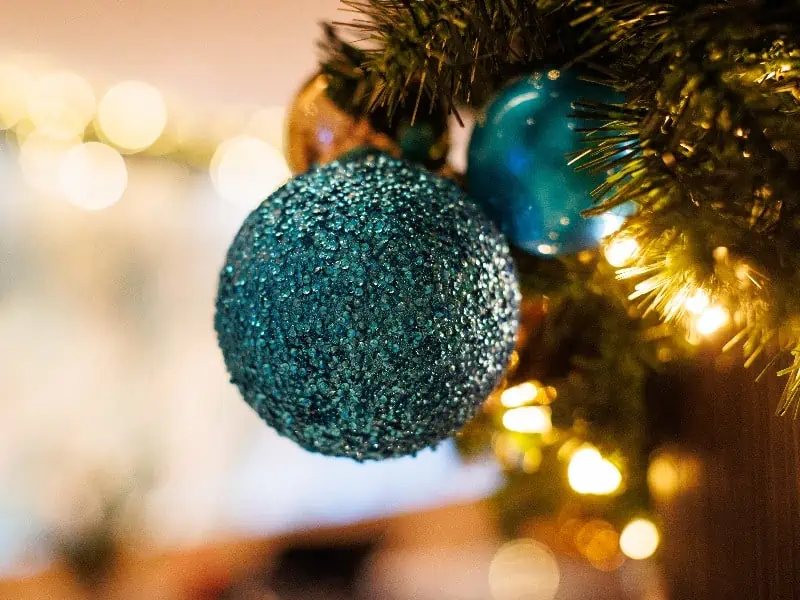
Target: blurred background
column 137, row 137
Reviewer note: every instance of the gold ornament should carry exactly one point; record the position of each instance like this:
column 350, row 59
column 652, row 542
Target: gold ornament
column 318, row 131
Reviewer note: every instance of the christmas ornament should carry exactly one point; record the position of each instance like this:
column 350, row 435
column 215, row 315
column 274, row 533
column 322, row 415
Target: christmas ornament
column 367, row 308
column 319, row 131
column 518, row 170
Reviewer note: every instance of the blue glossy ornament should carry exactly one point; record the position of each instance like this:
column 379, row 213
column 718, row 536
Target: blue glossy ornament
column 517, row 167
column 367, row 308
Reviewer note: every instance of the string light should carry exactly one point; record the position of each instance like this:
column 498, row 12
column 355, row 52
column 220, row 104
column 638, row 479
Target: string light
column 61, row 103
column 621, row 251
column 663, row 477
column 598, row 541
column 519, row 395
column 50, row 113
column 532, row 460
column 528, row 419
column 524, row 570
column 590, row 473
column 245, row 170
column 93, row 176
column 40, row 158
column 640, row 539
column 712, row 320
column 132, row 115
column 696, row 303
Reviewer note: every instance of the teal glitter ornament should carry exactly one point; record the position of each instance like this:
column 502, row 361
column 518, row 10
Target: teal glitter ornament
column 518, row 170
column 367, row 308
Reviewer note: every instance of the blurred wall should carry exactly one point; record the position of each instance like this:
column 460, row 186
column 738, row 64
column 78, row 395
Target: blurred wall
column 210, row 50
column 109, row 369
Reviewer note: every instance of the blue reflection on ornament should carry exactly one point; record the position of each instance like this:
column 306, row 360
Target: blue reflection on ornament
column 517, row 167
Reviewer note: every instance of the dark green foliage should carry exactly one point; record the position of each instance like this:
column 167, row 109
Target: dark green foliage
column 707, row 144
column 713, row 132
column 457, row 51
column 599, row 358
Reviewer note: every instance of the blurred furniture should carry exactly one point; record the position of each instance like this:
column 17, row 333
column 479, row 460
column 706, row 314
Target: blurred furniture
column 441, row 554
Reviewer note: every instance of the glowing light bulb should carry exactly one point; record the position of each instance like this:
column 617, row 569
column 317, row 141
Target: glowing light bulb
column 721, row 253
column 15, row 86
column 639, row 539
column 590, row 473
column 610, row 224
column 519, row 395
column 245, row 170
column 663, row 477
column 132, row 115
column 697, row 302
column 620, row 251
column 528, row 419
column 712, row 320
column 93, row 176
column 62, row 104
column 524, row 570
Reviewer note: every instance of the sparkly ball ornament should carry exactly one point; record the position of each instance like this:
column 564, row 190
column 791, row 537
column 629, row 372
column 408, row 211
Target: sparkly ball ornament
column 318, row 131
column 517, row 167
column 367, row 308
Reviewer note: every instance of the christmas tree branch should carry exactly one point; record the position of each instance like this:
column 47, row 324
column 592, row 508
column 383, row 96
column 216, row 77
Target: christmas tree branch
column 456, row 52
column 707, row 144
column 714, row 105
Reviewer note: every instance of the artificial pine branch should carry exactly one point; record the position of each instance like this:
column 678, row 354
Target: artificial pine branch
column 456, row 52
column 714, row 92
column 707, row 143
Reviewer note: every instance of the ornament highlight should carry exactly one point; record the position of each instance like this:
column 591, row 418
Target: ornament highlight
column 367, row 308
column 518, row 170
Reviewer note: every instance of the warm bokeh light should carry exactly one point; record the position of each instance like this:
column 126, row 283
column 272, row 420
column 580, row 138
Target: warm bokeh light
column 519, row 395
column 268, row 124
column 61, row 103
column 590, row 473
column 620, row 251
column 524, row 570
column 712, row 320
column 40, row 159
column 532, row 460
column 245, row 170
column 132, row 115
column 15, row 87
column 697, row 302
column 506, row 448
column 639, row 539
column 93, row 176
column 663, row 477
column 546, row 249
column 528, row 419
column 598, row 542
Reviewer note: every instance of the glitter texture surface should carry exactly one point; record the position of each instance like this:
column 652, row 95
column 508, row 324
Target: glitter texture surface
column 367, row 308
